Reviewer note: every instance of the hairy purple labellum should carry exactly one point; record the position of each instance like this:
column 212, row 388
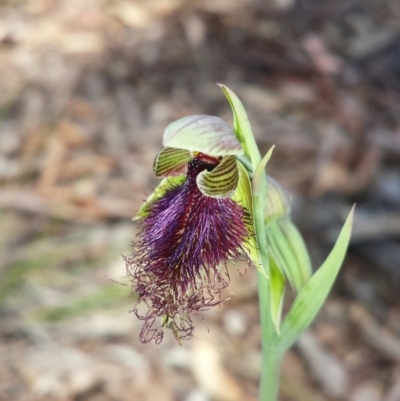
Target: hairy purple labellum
column 179, row 264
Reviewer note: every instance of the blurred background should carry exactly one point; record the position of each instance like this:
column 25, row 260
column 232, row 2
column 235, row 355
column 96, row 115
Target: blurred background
column 86, row 89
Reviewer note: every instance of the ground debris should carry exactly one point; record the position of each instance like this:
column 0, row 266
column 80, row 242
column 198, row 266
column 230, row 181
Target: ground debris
column 86, row 90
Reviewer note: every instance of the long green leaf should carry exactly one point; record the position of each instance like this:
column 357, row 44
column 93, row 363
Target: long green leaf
column 314, row 293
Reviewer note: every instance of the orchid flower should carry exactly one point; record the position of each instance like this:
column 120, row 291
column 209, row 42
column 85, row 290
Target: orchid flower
column 215, row 203
column 198, row 218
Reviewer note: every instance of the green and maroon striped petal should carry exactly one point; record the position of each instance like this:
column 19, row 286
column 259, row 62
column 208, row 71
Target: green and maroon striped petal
column 167, row 184
column 220, row 182
column 202, row 133
column 171, row 162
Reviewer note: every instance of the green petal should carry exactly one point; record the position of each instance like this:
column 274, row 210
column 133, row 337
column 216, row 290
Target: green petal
column 243, row 196
column 220, row 182
column 165, row 185
column 314, row 293
column 171, row 162
column 207, row 134
column 278, row 201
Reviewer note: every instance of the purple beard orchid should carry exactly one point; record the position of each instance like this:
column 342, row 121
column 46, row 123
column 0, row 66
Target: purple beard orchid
column 198, row 218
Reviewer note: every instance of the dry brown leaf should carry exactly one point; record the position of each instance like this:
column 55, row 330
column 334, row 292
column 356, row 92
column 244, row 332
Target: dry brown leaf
column 71, row 134
column 82, row 109
column 54, row 157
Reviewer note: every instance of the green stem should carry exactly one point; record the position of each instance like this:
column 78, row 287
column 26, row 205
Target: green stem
column 271, row 355
column 269, row 383
column 271, row 352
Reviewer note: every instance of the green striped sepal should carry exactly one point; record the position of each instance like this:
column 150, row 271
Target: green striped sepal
column 171, row 162
column 201, row 133
column 220, row 182
column 165, row 185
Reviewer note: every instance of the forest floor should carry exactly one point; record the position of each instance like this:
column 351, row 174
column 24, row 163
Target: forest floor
column 86, row 90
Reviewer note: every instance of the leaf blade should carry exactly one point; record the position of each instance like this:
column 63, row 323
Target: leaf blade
column 312, row 296
column 277, row 285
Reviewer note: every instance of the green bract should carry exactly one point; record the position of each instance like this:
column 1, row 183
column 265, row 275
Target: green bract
column 242, row 128
column 244, row 134
column 278, row 201
column 285, row 243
